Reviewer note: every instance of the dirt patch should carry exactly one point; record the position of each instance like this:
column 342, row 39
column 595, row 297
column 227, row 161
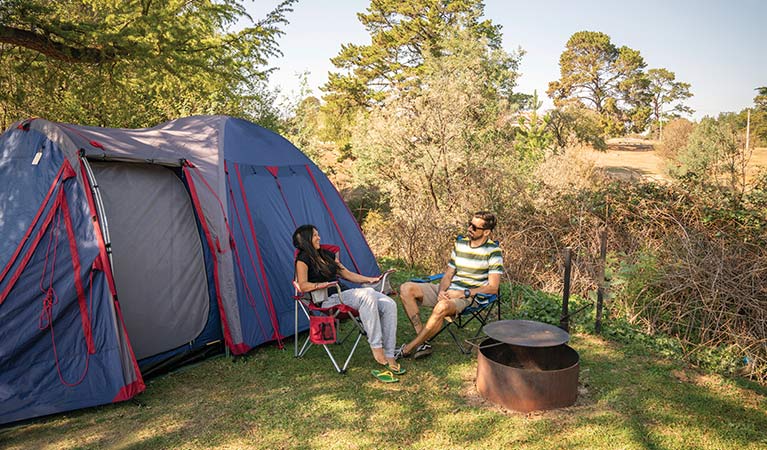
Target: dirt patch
column 636, row 159
column 629, row 159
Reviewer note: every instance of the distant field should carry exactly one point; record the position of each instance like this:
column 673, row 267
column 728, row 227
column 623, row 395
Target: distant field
column 628, row 158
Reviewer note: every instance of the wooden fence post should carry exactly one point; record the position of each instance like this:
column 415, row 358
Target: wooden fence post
column 601, row 280
column 564, row 321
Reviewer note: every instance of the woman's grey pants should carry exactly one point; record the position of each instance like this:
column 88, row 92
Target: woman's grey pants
column 378, row 314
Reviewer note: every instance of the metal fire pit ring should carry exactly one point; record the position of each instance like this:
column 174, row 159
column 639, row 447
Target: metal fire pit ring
column 529, row 368
column 526, row 333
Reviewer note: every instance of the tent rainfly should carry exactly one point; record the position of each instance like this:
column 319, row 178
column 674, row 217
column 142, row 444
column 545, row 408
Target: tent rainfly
column 125, row 250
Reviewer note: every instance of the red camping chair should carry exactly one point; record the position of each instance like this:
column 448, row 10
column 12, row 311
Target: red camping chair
column 324, row 323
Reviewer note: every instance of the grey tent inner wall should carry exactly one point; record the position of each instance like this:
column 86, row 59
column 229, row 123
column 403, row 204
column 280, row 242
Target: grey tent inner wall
column 157, row 256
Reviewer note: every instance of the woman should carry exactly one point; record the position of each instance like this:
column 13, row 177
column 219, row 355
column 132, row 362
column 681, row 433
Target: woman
column 316, row 268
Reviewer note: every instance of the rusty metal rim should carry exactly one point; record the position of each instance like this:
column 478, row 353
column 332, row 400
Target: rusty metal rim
column 577, row 362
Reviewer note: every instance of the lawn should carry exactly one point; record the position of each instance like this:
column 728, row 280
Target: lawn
column 628, row 398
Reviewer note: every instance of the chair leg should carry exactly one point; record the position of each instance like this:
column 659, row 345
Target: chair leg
column 342, row 369
column 332, row 359
column 342, row 340
column 307, row 343
column 351, row 353
column 463, row 349
column 295, row 331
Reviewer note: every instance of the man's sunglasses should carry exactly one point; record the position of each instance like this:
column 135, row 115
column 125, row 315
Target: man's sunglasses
column 475, row 228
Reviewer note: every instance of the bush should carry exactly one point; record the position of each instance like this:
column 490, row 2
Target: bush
column 685, row 261
column 545, row 307
column 675, row 137
column 573, row 125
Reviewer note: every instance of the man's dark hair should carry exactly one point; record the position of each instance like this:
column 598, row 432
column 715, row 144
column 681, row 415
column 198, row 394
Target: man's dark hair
column 488, row 217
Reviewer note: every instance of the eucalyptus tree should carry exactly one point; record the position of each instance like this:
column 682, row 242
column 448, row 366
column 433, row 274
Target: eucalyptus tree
column 597, row 74
column 134, row 63
column 666, row 92
column 404, row 33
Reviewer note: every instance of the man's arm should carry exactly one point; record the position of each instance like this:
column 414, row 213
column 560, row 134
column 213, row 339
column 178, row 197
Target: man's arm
column 493, row 282
column 447, row 278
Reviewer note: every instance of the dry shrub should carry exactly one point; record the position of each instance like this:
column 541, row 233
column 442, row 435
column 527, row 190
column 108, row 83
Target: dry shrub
column 420, row 236
column 675, row 136
column 709, row 264
column 568, row 170
column 689, row 267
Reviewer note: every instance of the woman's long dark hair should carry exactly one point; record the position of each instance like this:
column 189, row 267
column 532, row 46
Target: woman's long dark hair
column 302, row 240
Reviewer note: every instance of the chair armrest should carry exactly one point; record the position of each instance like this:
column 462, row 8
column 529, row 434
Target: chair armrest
column 382, row 284
column 429, row 279
column 484, row 299
column 330, row 284
column 317, row 296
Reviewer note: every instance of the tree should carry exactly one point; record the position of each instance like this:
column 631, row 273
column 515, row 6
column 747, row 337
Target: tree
column 533, row 138
column 716, row 155
column 596, row 74
column 133, row 63
column 573, row 124
column 442, row 151
column 761, row 99
column 759, row 117
column 403, row 34
column 665, row 92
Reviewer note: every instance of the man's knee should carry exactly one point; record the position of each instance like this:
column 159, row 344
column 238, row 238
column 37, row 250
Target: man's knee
column 443, row 309
column 410, row 291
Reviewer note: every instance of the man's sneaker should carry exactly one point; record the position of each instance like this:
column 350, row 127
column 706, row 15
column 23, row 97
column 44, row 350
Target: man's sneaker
column 400, row 352
column 422, row 351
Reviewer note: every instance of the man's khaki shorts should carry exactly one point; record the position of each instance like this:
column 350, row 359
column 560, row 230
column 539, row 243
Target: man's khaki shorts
column 430, row 291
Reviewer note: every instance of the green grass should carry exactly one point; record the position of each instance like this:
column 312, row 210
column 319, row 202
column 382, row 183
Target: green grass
column 628, row 398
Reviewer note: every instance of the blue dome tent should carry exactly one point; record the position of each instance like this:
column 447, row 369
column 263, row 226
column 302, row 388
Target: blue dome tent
column 125, row 249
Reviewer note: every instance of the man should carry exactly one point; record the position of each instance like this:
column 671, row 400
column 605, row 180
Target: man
column 475, row 266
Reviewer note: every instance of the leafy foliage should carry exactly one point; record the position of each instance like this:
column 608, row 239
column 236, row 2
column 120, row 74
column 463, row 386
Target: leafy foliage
column 572, row 125
column 759, row 118
column 595, row 73
column 761, row 99
column 545, row 307
column 715, row 154
column 598, row 75
column 133, row 64
column 429, row 149
column 404, row 34
column 533, row 138
column 664, row 92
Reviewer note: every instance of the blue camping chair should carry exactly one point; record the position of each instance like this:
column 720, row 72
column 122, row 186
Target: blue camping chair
column 480, row 310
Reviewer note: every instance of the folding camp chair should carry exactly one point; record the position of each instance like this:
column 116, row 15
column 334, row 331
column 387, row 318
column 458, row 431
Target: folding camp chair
column 324, row 323
column 480, row 310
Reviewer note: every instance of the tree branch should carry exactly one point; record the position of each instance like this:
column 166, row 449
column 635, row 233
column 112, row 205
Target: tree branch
column 56, row 50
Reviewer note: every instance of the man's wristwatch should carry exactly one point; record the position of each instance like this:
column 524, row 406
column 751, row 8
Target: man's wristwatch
column 466, row 293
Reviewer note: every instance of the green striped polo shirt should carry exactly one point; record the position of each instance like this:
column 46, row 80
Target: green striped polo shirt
column 473, row 265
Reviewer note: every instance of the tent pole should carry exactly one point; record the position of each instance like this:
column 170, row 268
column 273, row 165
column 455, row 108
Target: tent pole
column 99, row 208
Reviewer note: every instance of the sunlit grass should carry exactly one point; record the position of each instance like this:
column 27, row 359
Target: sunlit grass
column 628, row 398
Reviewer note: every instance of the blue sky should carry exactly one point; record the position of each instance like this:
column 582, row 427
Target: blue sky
column 719, row 47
